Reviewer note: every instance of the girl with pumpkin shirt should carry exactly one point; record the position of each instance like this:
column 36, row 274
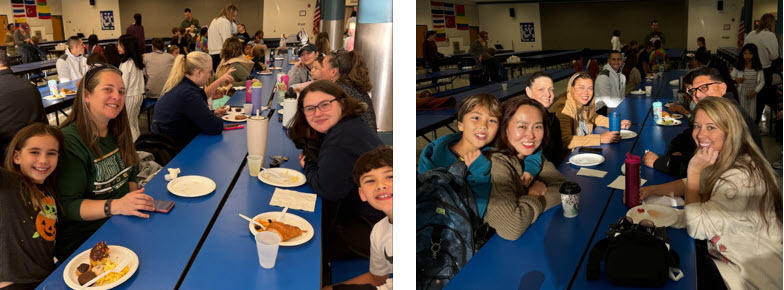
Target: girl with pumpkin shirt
column 29, row 210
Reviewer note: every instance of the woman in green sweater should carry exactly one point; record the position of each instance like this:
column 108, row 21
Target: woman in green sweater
column 512, row 206
column 232, row 56
column 96, row 178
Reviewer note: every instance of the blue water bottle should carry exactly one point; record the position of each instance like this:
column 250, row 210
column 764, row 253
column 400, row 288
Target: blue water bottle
column 615, row 122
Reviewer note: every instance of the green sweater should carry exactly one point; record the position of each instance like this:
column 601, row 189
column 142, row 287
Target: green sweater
column 82, row 175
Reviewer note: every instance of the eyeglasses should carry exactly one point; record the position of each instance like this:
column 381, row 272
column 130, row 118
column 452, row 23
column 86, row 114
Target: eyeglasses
column 701, row 89
column 324, row 106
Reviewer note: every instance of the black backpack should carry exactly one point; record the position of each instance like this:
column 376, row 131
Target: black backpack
column 161, row 146
column 449, row 231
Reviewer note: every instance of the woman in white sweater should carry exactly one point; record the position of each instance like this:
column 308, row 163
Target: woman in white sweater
column 220, row 29
column 132, row 68
column 732, row 202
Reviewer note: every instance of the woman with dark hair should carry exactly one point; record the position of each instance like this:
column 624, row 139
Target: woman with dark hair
column 328, row 127
column 541, row 89
column 322, row 43
column 132, row 68
column 112, row 54
column 513, row 206
column 430, row 50
column 633, row 76
column 769, row 50
column 96, row 176
column 232, row 57
column 748, row 73
column 137, row 30
column 349, row 71
column 616, row 40
column 92, row 45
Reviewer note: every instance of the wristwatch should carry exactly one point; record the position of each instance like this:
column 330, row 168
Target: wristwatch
column 107, row 208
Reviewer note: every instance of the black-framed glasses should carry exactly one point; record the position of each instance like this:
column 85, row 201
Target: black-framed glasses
column 702, row 89
column 324, row 106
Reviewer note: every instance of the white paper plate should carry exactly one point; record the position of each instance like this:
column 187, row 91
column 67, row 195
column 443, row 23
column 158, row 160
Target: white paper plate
column 690, row 55
column 674, row 82
column 233, row 112
column 623, row 169
column 628, row 134
column 239, row 88
column 661, row 216
column 285, row 173
column 638, row 92
column 586, row 159
column 676, row 116
column 674, row 122
column 51, row 97
column 290, row 219
column 116, row 253
column 230, row 118
column 191, row 186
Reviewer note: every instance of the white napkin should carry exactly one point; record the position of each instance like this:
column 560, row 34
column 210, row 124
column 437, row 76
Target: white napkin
column 172, row 174
column 664, row 200
column 591, row 172
column 293, row 199
column 681, row 222
column 620, row 182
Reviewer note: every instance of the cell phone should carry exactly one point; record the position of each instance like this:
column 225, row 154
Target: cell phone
column 590, row 150
column 163, row 206
column 233, row 126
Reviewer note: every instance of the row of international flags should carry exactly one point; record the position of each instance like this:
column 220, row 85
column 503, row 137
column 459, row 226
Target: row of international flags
column 23, row 9
column 447, row 15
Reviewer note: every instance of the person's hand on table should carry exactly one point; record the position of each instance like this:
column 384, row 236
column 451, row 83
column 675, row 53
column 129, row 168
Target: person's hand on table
column 537, row 189
column 132, row 204
column 703, row 158
column 660, row 189
column 470, row 157
column 625, row 124
column 302, row 160
column 610, row 137
column 649, row 158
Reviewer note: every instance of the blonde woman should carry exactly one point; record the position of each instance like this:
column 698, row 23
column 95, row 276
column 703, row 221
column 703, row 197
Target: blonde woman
column 732, row 202
column 579, row 116
column 220, row 29
column 182, row 111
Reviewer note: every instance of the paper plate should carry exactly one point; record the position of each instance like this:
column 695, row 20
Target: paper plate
column 191, row 186
column 293, row 178
column 674, row 82
column 628, row 134
column 239, row 88
column 586, row 159
column 52, row 97
column 290, row 219
column 676, row 116
column 670, row 122
column 638, row 92
column 233, row 111
column 661, row 216
column 116, row 253
column 230, row 118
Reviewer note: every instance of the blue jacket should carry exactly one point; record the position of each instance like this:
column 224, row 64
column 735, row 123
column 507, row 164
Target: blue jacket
column 437, row 154
column 183, row 113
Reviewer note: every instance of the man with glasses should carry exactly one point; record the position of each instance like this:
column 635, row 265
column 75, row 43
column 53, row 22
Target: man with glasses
column 700, row 83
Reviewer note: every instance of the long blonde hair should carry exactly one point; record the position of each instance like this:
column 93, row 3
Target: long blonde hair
column 739, row 152
column 228, row 12
column 766, row 22
column 590, row 110
column 185, row 66
column 85, row 125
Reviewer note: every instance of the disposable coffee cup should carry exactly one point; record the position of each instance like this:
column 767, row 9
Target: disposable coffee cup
column 254, row 164
column 267, row 244
column 570, row 198
column 648, row 90
column 256, row 128
column 503, row 86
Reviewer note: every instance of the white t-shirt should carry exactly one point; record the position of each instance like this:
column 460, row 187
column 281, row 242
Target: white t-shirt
column 381, row 251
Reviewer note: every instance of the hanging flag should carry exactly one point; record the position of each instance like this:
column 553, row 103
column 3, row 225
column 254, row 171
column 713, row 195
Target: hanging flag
column 437, row 10
column 741, row 28
column 18, row 8
column 30, row 10
column 461, row 20
column 449, row 15
column 43, row 12
column 19, row 21
column 41, row 2
column 317, row 17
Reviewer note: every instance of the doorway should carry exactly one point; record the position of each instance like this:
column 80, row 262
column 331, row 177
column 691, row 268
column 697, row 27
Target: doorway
column 473, row 33
column 4, row 22
column 421, row 30
column 57, row 27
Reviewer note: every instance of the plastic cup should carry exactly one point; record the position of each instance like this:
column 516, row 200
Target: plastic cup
column 503, row 86
column 247, row 108
column 254, row 164
column 648, row 90
column 267, row 247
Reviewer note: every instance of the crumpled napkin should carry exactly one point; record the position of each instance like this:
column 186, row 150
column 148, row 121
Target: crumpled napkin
column 293, row 199
column 173, row 172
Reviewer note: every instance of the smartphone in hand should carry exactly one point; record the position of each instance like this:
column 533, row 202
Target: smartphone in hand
column 163, row 206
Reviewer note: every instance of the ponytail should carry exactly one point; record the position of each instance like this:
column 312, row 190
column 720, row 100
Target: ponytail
column 185, row 66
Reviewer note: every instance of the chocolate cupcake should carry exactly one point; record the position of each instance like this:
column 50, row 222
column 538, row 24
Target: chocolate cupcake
column 84, row 267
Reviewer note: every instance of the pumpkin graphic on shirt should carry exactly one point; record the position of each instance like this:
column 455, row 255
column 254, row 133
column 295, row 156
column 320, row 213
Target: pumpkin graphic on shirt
column 45, row 221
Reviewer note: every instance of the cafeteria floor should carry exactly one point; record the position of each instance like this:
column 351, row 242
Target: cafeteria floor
column 773, row 149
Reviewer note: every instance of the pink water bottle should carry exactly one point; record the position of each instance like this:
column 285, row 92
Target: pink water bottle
column 248, row 98
column 631, row 196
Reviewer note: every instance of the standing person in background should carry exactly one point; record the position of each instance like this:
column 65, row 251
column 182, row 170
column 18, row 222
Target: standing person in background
column 179, row 39
column 351, row 20
column 322, row 43
column 242, row 35
column 201, row 40
column 701, row 45
column 633, row 76
column 220, row 29
column 655, row 34
column 137, row 30
column 132, row 68
column 610, row 84
column 10, row 48
column 20, row 104
column 430, row 50
column 616, row 40
column 158, row 65
column 258, row 38
column 72, row 64
column 768, row 48
column 488, row 63
column 189, row 21
column 21, row 36
column 92, row 45
column 112, row 55
column 748, row 73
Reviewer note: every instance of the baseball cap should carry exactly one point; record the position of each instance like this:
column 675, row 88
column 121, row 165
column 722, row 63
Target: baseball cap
column 307, row 48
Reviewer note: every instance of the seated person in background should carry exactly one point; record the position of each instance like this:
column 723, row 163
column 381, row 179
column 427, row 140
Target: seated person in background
column 586, row 64
column 247, row 50
column 97, row 176
column 328, row 129
column 431, row 55
column 34, row 53
column 373, row 176
column 733, row 203
column 92, row 45
column 200, row 43
column 610, row 84
column 658, row 56
column 514, row 206
column 259, row 52
column 349, row 71
column 701, row 44
column 112, row 54
column 300, row 72
column 578, row 116
column 242, row 35
column 20, row 104
column 72, row 64
column 95, row 58
column 174, row 50
column 182, row 111
column 643, row 59
column 540, row 88
column 232, row 57
column 633, row 76
column 258, row 38
column 159, row 65
column 179, row 38
column 630, row 49
column 316, row 73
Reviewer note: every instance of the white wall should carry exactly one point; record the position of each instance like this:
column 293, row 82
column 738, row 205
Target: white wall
column 706, row 21
column 80, row 16
column 506, row 30
column 424, row 17
column 762, row 7
column 282, row 16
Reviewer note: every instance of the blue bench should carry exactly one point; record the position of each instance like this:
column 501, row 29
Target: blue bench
column 432, row 85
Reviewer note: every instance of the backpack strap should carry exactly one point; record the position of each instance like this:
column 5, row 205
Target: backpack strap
column 596, row 256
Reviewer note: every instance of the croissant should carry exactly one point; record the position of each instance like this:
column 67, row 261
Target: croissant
column 285, row 231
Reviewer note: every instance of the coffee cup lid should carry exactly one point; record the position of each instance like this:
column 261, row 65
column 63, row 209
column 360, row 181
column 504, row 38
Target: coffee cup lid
column 570, row 188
